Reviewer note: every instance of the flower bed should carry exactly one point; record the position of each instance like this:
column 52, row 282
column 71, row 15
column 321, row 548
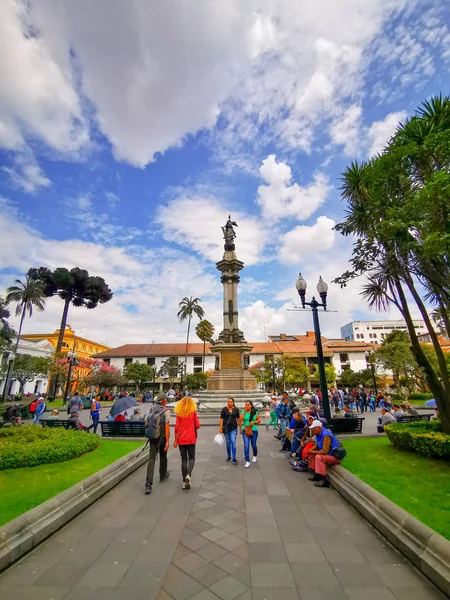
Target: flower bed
column 31, row 445
column 425, row 438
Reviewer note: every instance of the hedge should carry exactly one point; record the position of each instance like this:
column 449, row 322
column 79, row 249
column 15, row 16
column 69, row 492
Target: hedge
column 420, row 396
column 425, row 438
column 32, row 445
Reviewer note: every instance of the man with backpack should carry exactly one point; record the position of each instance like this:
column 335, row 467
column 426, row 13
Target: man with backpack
column 157, row 430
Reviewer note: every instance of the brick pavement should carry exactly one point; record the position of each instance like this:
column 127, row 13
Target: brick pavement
column 264, row 533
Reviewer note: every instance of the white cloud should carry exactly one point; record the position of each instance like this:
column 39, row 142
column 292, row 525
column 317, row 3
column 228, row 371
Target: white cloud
column 27, row 174
column 281, row 198
column 84, row 203
column 380, row 132
column 304, row 241
column 151, row 73
column 195, row 220
column 346, row 130
column 40, row 98
column 112, row 198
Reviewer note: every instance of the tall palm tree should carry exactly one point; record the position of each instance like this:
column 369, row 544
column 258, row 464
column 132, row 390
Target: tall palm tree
column 189, row 307
column 26, row 296
column 205, row 331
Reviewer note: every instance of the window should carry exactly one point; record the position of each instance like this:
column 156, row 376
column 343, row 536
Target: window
column 107, row 361
column 65, row 345
column 356, row 328
column 343, row 357
column 368, row 328
column 198, row 361
column 197, row 369
column 128, row 361
column 374, row 335
column 151, row 361
column 268, row 357
column 370, row 335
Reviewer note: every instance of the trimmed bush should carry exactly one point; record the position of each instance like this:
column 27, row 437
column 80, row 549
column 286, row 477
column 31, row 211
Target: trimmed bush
column 425, row 438
column 32, row 445
column 420, row 396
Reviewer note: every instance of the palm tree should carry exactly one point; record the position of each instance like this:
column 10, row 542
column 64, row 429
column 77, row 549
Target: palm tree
column 188, row 307
column 26, row 295
column 205, row 331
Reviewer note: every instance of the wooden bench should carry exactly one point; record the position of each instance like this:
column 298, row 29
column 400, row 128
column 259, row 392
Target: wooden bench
column 121, row 429
column 412, row 418
column 353, row 425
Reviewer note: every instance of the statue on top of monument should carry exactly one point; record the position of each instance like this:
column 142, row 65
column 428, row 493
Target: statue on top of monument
column 229, row 234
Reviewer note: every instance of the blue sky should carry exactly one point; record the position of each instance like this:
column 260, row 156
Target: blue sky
column 127, row 136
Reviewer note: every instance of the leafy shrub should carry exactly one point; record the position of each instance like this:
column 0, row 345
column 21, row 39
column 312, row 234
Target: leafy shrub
column 425, row 438
column 420, row 396
column 31, row 445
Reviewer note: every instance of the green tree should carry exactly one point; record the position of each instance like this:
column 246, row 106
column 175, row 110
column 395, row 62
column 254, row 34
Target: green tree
column 74, row 286
column 27, row 368
column 279, row 371
column 138, row 374
column 195, row 381
column 398, row 209
column 7, row 333
column 205, row 331
column 189, row 307
column 330, row 373
column 349, row 378
column 395, row 355
column 171, row 369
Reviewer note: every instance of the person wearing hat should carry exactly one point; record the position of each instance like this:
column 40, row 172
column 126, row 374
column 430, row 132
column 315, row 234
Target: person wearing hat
column 39, row 412
column 54, row 415
column 321, row 454
column 159, row 444
column 408, row 409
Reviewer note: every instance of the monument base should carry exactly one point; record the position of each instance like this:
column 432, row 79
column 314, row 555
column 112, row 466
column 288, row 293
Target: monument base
column 232, row 372
column 232, row 379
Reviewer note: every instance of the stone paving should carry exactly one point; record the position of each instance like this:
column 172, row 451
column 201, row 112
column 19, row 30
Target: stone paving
column 263, row 533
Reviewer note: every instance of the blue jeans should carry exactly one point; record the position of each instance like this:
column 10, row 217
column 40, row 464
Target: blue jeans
column 230, row 438
column 283, row 424
column 250, row 440
column 295, row 444
column 36, row 419
column 95, row 420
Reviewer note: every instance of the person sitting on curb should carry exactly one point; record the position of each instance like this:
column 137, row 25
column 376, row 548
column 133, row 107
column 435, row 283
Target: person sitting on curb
column 321, row 454
column 398, row 413
column 385, row 419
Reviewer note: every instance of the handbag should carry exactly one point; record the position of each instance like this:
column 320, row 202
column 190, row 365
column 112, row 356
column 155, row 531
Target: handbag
column 249, row 430
column 339, row 452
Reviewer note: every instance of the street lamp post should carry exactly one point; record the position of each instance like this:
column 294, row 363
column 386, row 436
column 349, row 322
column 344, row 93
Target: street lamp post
column 322, row 288
column 374, row 379
column 72, row 359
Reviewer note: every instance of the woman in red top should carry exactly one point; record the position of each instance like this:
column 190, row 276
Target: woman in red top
column 186, row 436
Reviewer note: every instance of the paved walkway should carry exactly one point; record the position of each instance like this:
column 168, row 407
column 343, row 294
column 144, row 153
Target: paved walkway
column 264, row 533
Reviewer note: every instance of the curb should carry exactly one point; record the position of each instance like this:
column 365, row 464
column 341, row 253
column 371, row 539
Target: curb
column 19, row 536
column 427, row 550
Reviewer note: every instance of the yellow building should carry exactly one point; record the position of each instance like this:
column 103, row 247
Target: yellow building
column 84, row 348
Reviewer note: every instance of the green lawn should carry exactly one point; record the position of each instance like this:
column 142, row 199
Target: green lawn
column 417, row 484
column 25, row 488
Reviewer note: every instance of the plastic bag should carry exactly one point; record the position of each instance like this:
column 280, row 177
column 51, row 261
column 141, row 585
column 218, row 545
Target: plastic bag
column 219, row 439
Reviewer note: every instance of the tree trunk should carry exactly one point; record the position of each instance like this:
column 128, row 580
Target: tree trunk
column 432, row 379
column 24, row 310
column 204, row 352
column 62, row 326
column 187, row 342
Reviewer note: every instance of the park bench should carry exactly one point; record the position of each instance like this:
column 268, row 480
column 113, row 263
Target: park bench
column 120, row 429
column 353, row 425
column 54, row 423
column 412, row 418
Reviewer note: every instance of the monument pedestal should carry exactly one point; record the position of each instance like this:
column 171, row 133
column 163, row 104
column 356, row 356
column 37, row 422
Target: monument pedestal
column 232, row 369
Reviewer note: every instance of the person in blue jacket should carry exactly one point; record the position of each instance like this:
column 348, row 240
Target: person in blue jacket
column 321, row 454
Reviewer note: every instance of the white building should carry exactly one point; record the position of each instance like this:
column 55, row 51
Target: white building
column 42, row 348
column 375, row 331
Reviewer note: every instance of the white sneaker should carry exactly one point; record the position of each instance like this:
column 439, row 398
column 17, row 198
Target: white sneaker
column 247, row 464
column 255, row 459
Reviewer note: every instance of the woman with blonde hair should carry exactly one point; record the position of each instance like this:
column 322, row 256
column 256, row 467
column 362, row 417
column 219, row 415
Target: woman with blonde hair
column 186, row 428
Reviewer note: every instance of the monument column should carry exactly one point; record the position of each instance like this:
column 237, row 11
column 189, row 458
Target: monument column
column 231, row 349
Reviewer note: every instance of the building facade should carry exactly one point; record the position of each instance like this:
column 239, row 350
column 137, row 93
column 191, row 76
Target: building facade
column 374, row 332
column 85, row 348
column 341, row 353
column 42, row 348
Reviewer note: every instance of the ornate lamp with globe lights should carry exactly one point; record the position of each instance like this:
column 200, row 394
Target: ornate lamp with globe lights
column 322, row 289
